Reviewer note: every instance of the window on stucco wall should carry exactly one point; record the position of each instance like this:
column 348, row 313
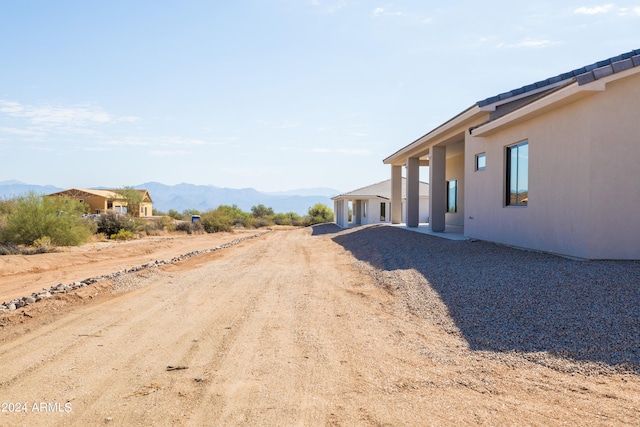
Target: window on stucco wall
column 517, row 177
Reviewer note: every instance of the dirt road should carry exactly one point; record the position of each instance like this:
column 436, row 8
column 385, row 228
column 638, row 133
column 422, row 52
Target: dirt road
column 279, row 330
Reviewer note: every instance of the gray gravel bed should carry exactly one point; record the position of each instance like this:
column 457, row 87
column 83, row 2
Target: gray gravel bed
column 560, row 312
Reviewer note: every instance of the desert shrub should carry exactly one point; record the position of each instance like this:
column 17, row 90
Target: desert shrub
column 175, row 214
column 261, row 211
column 43, row 244
column 154, row 226
column 189, row 227
column 9, row 249
column 289, row 218
column 216, row 220
column 261, row 223
column 123, row 235
column 319, row 214
column 33, row 217
column 111, row 223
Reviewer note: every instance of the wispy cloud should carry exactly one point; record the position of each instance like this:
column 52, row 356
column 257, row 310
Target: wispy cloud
column 169, row 153
column 164, row 142
column 623, row 11
column 329, row 6
column 379, row 11
column 324, row 150
column 56, row 115
column 22, row 132
column 527, row 43
column 281, row 125
column 594, row 10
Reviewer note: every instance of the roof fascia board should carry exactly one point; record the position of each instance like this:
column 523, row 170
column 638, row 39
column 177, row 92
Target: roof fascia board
column 559, row 98
column 492, row 107
column 550, row 102
column 451, row 127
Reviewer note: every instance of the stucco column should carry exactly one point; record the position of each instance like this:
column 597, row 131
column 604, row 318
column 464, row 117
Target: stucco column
column 413, row 192
column 396, row 194
column 345, row 213
column 437, row 188
column 357, row 212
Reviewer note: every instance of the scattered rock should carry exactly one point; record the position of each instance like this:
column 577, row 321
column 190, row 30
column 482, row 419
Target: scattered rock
column 62, row 288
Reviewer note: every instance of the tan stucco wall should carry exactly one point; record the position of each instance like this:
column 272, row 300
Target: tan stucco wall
column 455, row 170
column 584, row 194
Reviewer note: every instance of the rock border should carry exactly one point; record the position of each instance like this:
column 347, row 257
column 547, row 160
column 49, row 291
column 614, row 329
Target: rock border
column 61, row 288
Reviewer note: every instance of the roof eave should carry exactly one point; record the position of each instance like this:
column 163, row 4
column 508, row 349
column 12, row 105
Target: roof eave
column 457, row 123
column 553, row 100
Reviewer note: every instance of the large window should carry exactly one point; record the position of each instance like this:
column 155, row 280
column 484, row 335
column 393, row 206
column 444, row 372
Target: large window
column 383, row 211
column 518, row 174
column 452, row 196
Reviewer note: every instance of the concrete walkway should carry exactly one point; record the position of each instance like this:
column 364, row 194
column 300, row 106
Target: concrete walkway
column 451, row 232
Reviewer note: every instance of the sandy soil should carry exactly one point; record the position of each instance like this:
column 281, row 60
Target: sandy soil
column 278, row 330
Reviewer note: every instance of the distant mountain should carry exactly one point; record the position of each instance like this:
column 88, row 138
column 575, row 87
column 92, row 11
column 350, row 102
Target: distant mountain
column 10, row 189
column 203, row 197
column 320, row 191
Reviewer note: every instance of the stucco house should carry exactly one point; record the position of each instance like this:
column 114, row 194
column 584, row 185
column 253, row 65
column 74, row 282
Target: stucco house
column 371, row 204
column 101, row 201
column 551, row 166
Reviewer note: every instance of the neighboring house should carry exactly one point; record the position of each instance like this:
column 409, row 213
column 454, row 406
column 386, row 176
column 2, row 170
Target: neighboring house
column 552, row 166
column 372, row 204
column 101, row 201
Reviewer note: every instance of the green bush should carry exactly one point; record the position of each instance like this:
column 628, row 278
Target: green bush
column 289, row 218
column 123, row 235
column 32, row 217
column 261, row 211
column 215, row 221
column 319, row 214
column 43, row 244
column 111, row 223
column 190, row 227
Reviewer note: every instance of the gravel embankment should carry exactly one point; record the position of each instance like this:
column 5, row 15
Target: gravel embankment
column 574, row 316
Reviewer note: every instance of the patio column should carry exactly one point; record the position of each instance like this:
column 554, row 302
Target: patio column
column 357, row 212
column 345, row 213
column 396, row 194
column 413, row 192
column 437, row 188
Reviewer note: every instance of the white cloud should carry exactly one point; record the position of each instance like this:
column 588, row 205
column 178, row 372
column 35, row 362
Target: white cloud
column 169, row 153
column 168, row 142
column 379, row 11
column 21, row 132
column 528, row 43
column 636, row 10
column 60, row 116
column 319, row 150
column 584, row 10
column 329, row 6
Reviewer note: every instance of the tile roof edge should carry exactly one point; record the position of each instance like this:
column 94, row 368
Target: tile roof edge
column 586, row 74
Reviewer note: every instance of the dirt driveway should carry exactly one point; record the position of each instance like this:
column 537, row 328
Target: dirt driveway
column 279, row 330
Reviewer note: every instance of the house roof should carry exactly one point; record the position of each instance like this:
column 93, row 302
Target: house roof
column 499, row 107
column 381, row 190
column 107, row 194
column 586, row 74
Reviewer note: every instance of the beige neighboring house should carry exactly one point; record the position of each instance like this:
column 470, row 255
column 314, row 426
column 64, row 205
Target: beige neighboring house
column 552, row 166
column 372, row 204
column 101, row 201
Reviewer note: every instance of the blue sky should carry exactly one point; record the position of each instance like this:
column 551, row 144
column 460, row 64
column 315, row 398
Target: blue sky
column 270, row 94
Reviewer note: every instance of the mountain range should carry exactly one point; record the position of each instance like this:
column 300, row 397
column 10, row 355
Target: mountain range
column 203, row 197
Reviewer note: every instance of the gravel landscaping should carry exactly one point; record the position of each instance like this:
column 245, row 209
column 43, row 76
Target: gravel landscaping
column 581, row 316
